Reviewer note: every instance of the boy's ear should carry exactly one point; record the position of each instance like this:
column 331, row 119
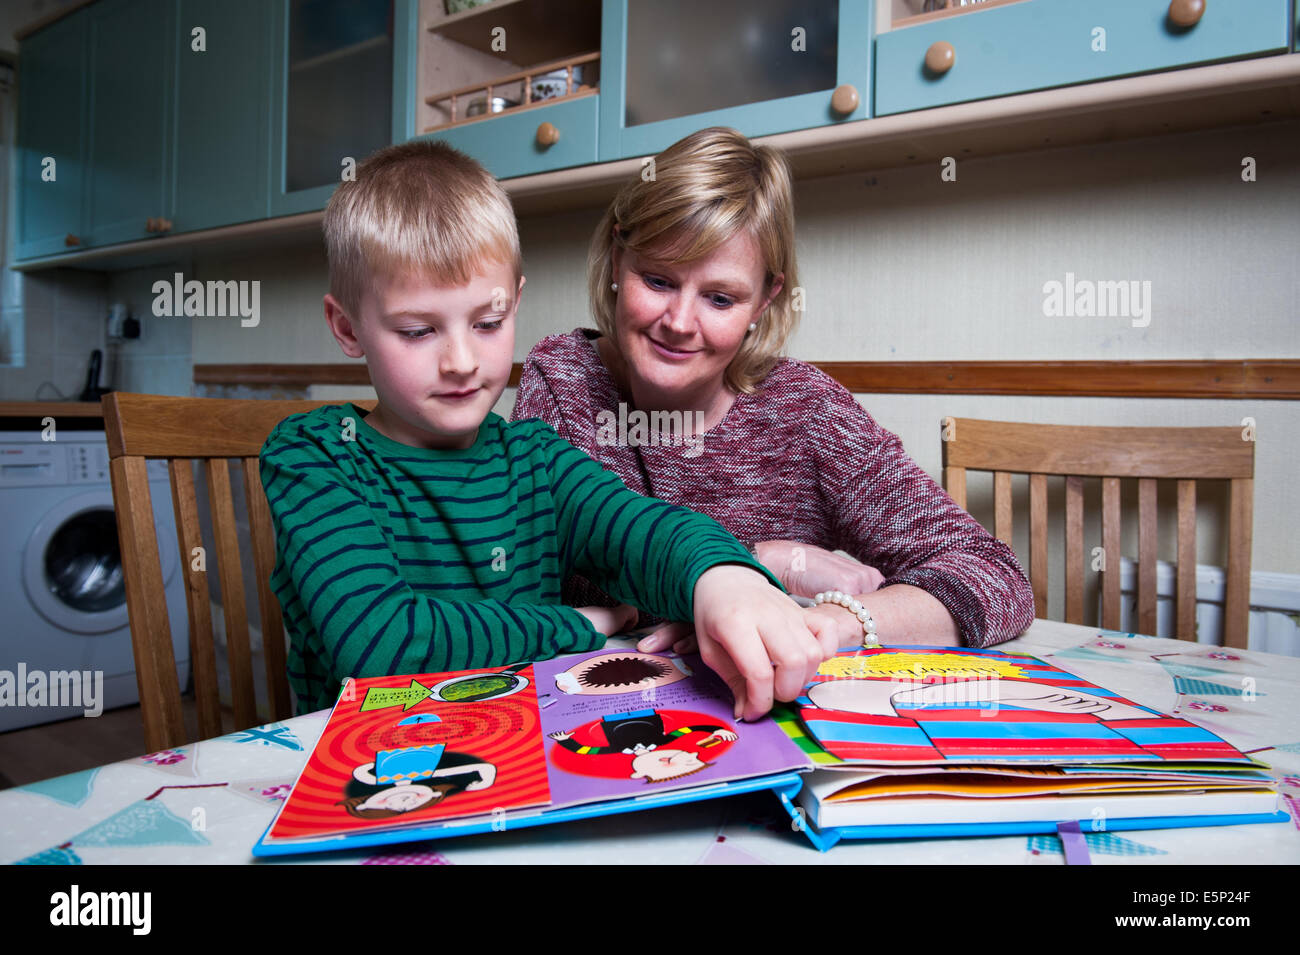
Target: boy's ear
column 342, row 328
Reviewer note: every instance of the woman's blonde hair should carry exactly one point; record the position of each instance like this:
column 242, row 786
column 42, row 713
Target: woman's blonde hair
column 419, row 208
column 699, row 193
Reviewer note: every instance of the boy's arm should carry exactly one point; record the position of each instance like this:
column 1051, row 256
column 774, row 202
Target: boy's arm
column 639, row 549
column 368, row 618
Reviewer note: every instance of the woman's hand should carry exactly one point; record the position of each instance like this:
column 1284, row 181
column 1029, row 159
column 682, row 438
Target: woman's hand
column 610, row 620
column 807, row 570
column 756, row 638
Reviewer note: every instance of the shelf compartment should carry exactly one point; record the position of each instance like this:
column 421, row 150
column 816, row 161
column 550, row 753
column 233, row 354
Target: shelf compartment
column 518, row 87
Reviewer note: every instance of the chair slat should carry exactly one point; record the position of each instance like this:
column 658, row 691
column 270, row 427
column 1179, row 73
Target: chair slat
column 162, row 426
column 1002, row 507
column 1185, row 599
column 155, row 663
column 232, row 592
column 198, row 601
column 1091, row 451
column 954, row 482
column 1110, row 553
column 1038, row 542
column 1236, row 608
column 1147, row 554
column 1074, row 549
column 263, row 540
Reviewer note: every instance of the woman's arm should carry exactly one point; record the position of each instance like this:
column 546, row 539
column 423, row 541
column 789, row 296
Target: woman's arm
column 891, row 515
column 905, row 613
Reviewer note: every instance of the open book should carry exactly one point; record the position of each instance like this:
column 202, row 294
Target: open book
column 914, row 741
column 417, row 757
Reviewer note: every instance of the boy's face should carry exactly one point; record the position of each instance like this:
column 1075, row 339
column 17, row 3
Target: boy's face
column 439, row 356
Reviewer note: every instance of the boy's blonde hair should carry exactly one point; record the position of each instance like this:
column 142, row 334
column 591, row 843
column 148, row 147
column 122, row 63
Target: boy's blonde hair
column 419, row 208
column 707, row 188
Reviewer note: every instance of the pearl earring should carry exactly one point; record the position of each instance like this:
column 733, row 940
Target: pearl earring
column 753, row 326
column 613, row 286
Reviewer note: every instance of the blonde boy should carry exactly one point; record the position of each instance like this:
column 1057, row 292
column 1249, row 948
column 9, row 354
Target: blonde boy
column 430, row 534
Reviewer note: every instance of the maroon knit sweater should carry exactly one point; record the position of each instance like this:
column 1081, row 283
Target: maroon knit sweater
column 798, row 460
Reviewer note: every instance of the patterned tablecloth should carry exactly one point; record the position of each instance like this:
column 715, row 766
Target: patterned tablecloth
column 208, row 802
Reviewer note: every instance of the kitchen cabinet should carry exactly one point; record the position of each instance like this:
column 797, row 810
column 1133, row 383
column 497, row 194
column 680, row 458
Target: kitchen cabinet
column 132, row 54
column 1037, row 44
column 221, row 173
column 517, row 84
column 342, row 87
column 51, row 130
column 761, row 66
column 509, row 146
column 150, row 135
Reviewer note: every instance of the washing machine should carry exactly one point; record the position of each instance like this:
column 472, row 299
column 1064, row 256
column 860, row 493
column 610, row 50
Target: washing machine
column 61, row 585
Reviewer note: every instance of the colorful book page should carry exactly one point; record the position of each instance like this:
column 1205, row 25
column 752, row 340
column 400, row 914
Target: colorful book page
column 403, row 750
column 925, row 705
column 988, row 787
column 621, row 723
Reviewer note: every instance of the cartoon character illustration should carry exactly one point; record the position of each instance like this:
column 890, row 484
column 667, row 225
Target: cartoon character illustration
column 657, row 753
column 621, row 671
column 403, row 780
column 879, row 697
column 928, row 705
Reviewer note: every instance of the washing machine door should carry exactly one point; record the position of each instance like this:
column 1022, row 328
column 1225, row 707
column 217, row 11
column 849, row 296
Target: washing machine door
column 72, row 564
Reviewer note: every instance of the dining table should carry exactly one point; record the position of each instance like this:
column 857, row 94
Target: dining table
column 208, row 802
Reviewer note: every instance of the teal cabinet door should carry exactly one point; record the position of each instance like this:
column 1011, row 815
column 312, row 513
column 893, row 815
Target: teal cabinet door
column 132, row 49
column 1039, row 44
column 670, row 67
column 508, row 146
column 343, row 86
column 51, row 128
column 223, row 106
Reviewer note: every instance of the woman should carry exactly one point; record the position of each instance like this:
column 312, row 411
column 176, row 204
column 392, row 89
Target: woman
column 682, row 393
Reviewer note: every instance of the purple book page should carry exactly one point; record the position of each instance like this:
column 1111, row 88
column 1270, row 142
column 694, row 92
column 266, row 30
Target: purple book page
column 621, row 723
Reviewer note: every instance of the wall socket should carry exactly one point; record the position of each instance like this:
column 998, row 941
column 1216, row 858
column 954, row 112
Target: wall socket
column 121, row 326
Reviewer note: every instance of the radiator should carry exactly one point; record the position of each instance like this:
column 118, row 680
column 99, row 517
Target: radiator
column 1274, row 606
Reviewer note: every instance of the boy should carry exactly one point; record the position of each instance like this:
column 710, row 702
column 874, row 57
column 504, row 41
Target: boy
column 429, row 534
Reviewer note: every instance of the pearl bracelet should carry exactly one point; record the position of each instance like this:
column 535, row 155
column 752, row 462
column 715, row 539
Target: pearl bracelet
column 838, row 597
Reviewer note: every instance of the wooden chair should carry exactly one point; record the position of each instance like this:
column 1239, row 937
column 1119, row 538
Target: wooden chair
column 1148, row 454
column 213, row 431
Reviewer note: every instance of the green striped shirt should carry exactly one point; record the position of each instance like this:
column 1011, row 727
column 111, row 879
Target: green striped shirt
column 392, row 559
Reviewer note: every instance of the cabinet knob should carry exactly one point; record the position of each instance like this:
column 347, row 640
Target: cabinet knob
column 162, row 225
column 151, row 224
column 547, row 135
column 1186, row 13
column 940, row 57
column 72, row 240
column 845, row 99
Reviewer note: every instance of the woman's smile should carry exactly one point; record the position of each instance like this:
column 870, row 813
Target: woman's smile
column 676, row 354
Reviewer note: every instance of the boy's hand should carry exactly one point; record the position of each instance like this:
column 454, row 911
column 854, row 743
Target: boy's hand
column 610, row 620
column 745, row 628
column 834, row 624
column 679, row 636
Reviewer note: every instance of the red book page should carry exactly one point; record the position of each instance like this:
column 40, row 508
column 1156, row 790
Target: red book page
column 403, row 750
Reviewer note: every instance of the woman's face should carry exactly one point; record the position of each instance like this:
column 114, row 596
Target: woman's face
column 679, row 326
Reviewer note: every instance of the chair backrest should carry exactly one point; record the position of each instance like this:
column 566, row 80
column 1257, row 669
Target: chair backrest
column 1147, row 454
column 213, row 431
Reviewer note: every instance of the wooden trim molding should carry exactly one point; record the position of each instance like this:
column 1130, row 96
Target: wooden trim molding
column 1271, row 379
